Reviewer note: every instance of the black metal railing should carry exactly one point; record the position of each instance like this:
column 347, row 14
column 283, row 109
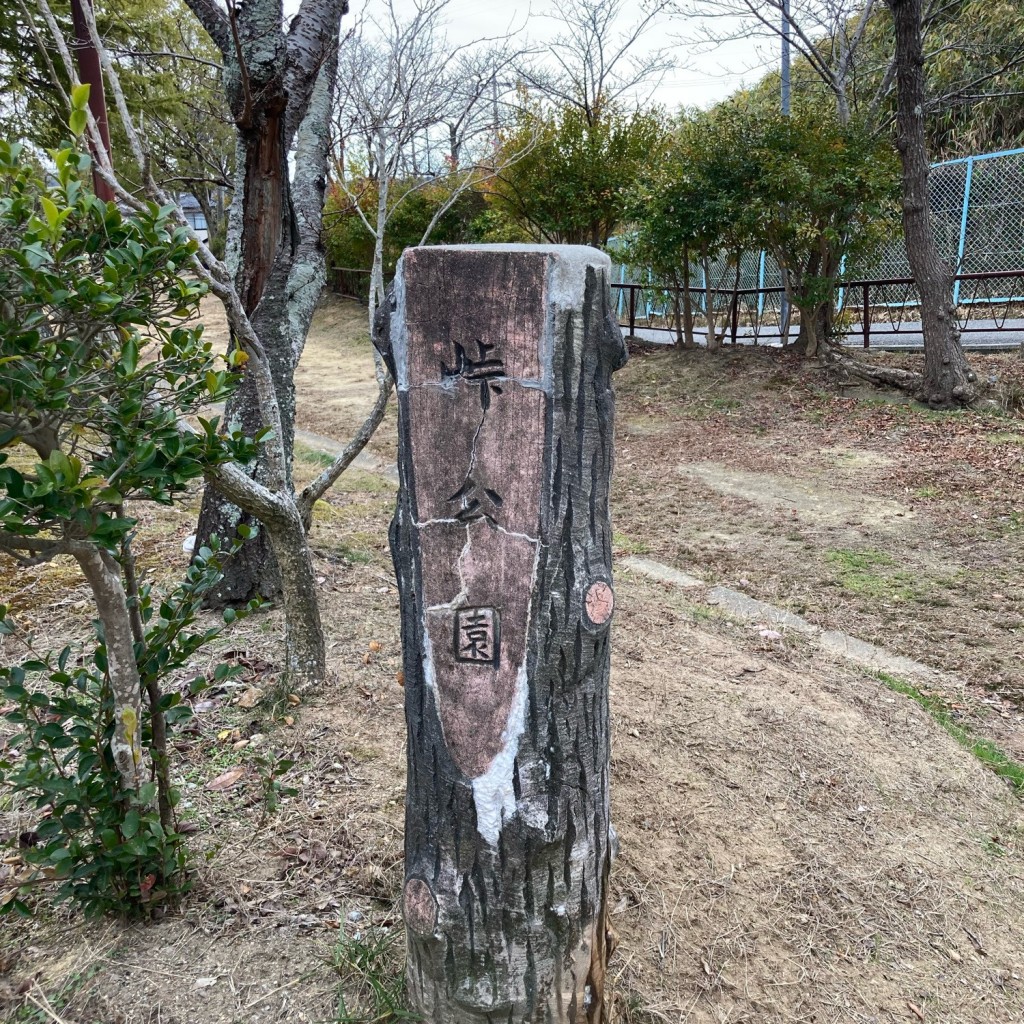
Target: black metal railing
column 350, row 283
column 883, row 308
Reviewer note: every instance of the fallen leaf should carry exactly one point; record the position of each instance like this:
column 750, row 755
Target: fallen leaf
column 205, row 982
column 250, row 698
column 288, row 720
column 223, row 734
column 375, row 647
column 400, row 678
column 227, row 779
column 294, row 699
column 915, row 1010
column 366, row 658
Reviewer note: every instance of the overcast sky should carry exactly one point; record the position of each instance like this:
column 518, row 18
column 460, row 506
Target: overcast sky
column 703, row 77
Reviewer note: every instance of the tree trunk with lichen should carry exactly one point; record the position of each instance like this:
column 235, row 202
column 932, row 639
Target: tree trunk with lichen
column 502, row 547
column 104, row 577
column 948, row 380
column 279, row 84
column 305, row 652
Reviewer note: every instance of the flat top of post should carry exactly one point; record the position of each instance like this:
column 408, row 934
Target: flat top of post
column 586, row 253
column 565, row 257
column 567, row 264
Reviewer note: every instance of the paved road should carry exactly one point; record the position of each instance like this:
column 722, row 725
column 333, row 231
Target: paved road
column 985, row 336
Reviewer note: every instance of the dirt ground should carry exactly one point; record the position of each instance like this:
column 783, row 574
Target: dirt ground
column 859, row 511
column 799, row 843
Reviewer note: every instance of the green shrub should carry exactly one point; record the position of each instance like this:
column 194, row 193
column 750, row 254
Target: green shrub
column 106, row 848
column 101, row 362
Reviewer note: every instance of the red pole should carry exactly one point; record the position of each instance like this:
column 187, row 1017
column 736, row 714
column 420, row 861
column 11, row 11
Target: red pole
column 89, row 71
column 867, row 317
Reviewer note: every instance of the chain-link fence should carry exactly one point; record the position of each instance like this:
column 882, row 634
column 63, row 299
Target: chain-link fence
column 978, row 211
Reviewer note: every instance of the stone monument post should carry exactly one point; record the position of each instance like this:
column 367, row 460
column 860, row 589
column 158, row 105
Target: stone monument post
column 502, row 545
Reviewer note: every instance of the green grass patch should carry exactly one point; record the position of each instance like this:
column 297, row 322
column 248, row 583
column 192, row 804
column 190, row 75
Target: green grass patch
column 701, row 613
column 858, row 561
column 367, row 483
column 869, row 573
column 725, row 403
column 356, row 549
column 313, row 456
column 370, row 966
column 984, row 750
column 355, row 555
column 31, row 1012
column 352, row 479
column 908, row 409
column 629, row 546
column 1005, row 438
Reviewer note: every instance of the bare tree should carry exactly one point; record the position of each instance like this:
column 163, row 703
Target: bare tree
column 594, row 60
column 280, row 266
column 838, row 42
column 191, row 137
column 279, row 85
column 485, row 78
column 827, row 34
column 407, row 98
column 834, row 39
column 948, row 379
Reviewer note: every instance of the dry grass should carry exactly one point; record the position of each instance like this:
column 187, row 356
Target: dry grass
column 786, row 478
column 798, row 843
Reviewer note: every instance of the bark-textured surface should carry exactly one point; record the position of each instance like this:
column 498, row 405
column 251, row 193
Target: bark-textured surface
column 90, row 72
column 305, row 656
column 280, row 84
column 502, row 544
column 948, row 379
column 104, row 578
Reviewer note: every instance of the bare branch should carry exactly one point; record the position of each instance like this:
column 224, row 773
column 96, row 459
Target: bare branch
column 172, row 54
column 597, row 61
column 404, row 93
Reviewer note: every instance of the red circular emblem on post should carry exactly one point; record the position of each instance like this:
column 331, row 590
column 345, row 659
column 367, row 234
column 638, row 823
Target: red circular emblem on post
column 419, row 906
column 600, row 603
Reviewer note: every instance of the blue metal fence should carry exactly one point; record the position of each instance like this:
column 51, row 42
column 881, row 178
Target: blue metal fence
column 978, row 211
